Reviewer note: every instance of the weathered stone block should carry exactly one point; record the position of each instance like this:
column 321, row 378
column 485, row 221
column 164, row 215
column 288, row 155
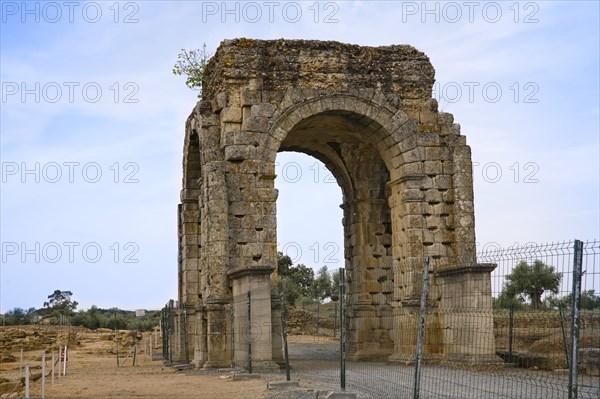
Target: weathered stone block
column 432, row 196
column 238, row 153
column 432, row 167
column 219, row 102
column 256, row 124
column 250, row 97
column 263, row 110
column 233, row 115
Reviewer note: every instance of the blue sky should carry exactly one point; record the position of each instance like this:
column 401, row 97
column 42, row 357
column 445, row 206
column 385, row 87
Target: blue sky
column 92, row 126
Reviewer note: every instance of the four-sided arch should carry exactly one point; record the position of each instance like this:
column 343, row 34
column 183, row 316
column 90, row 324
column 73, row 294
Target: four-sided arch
column 406, row 178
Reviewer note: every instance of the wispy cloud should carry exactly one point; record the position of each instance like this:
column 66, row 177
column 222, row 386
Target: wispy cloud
column 559, row 132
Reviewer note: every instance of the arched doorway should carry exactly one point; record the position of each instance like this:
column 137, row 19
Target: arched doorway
column 344, row 141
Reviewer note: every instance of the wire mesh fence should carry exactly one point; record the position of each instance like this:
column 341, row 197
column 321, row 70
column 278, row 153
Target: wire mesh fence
column 504, row 345
column 507, row 325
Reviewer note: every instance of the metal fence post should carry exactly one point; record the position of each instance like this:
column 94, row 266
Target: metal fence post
column 342, row 329
column 335, row 305
column 511, row 321
column 162, row 332
column 232, row 334
column 318, row 315
column 116, row 338
column 420, row 329
column 284, row 337
column 575, row 320
column 185, row 334
column 44, row 375
column 249, row 335
column 170, row 328
column 27, row 380
column 564, row 333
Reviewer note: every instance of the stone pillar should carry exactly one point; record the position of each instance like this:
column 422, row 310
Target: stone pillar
column 276, row 341
column 188, row 250
column 370, row 280
column 466, row 317
column 217, row 342
column 258, row 331
column 199, row 342
column 464, row 210
column 406, row 211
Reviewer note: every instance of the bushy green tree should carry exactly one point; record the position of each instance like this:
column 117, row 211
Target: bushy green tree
column 291, row 291
column 335, row 285
column 303, row 276
column 531, row 281
column 296, row 281
column 321, row 286
column 284, row 262
column 59, row 302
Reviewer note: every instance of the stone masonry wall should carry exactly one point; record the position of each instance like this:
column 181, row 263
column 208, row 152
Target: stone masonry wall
column 404, row 169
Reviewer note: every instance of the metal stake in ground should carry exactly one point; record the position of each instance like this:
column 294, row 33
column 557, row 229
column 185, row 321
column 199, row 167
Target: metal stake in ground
column 284, row 336
column 27, row 380
column 232, row 335
column 421, row 328
column 249, row 334
column 342, row 330
column 65, row 361
column 185, row 335
column 511, row 313
column 577, row 272
column 116, row 337
column 59, row 359
column 43, row 375
column 564, row 333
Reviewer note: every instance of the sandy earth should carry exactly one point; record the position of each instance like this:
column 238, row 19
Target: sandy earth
column 93, row 373
column 100, row 378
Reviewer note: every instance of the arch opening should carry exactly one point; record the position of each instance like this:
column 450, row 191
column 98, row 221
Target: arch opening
column 345, row 142
column 309, row 216
column 187, row 222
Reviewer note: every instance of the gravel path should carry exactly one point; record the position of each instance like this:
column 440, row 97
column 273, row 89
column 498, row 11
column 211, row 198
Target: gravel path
column 317, row 363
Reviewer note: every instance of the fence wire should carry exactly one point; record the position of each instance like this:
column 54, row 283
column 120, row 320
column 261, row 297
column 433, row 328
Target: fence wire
column 505, row 349
column 477, row 341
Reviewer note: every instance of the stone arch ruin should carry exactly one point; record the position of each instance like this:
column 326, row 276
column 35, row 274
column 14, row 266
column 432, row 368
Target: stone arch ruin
column 406, row 176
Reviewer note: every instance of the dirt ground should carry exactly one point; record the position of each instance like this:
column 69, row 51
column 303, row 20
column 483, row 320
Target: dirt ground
column 92, row 373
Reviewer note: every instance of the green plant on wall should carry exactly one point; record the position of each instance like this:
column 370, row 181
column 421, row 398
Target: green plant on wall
column 192, row 64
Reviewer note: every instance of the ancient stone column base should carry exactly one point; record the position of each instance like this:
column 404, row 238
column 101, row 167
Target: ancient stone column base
column 408, row 359
column 265, row 366
column 213, row 364
column 380, row 355
column 430, row 358
column 473, row 359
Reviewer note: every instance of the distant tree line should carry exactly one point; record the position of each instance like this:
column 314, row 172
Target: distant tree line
column 60, row 309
